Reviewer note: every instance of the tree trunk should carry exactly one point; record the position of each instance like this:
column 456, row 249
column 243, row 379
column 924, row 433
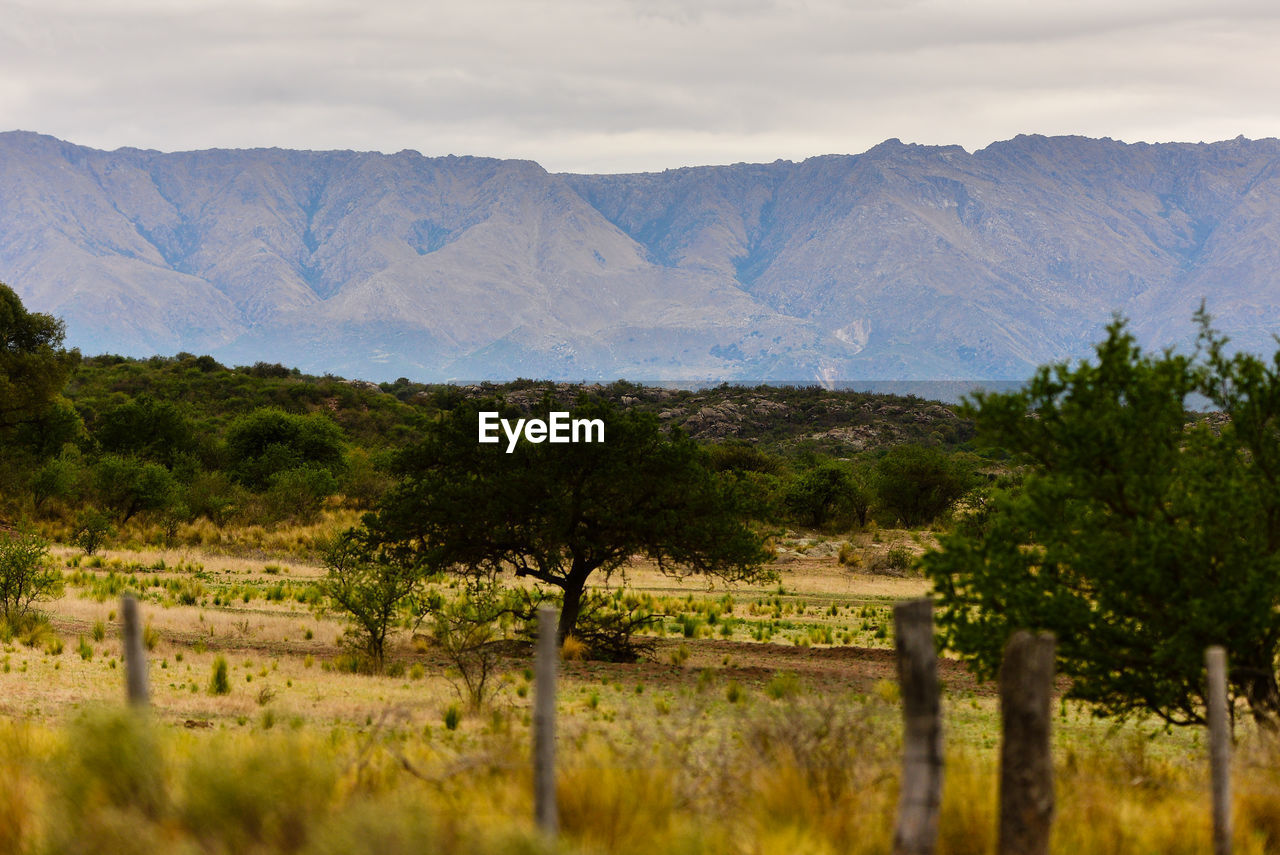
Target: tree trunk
column 572, row 605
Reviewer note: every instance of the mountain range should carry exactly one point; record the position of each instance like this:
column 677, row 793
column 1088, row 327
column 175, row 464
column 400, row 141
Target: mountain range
column 903, row 262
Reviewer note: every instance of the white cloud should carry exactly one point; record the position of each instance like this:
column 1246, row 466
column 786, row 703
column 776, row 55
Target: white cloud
column 615, row 85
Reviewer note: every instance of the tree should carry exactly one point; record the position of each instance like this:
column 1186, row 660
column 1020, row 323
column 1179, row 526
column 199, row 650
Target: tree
column 153, row 429
column 129, row 486
column 1139, row 535
column 826, row 491
column 917, row 482
column 269, row 441
column 370, row 592
column 560, row 513
column 27, row 576
column 468, row 631
column 33, row 364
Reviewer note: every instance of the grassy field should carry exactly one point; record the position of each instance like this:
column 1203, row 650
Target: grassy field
column 766, row 721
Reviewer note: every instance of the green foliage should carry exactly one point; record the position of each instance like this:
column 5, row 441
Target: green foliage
column 561, row 512
column 783, row 685
column 1138, row 538
column 148, row 428
column 219, row 682
column 215, row 496
column 466, row 630
column 899, row 558
column 738, row 456
column 829, row 490
column 365, row 481
column 370, row 591
column 27, row 575
column 53, row 430
column 298, row 494
column 113, row 759
column 55, row 479
column 93, row 530
column 610, row 626
column 917, row 483
column 270, row 441
column 34, row 367
column 128, row 485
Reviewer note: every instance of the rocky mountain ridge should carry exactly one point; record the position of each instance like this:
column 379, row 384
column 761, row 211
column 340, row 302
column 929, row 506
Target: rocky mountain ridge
column 904, row 262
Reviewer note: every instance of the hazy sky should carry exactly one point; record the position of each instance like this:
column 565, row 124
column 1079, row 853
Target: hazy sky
column 627, row 85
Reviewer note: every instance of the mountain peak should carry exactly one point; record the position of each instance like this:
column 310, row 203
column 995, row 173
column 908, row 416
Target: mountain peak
column 905, row 262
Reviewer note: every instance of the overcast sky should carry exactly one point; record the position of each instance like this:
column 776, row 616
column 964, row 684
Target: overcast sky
column 629, row 85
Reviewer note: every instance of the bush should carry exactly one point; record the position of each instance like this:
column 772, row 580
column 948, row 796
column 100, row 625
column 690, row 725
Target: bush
column 56, row 479
column 467, row 631
column 129, row 485
column 609, row 627
column 219, row 682
column 269, row 441
column 298, row 494
column 784, row 684
column 917, row 483
column 93, row 530
column 829, row 490
column 1139, row 535
column 370, row 592
column 27, row 575
column 214, row 496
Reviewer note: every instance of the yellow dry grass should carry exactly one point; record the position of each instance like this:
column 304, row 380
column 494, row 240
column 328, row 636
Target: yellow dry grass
column 705, row 756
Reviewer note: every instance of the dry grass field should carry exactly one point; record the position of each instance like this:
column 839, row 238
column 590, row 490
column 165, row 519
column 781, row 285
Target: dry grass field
column 766, row 721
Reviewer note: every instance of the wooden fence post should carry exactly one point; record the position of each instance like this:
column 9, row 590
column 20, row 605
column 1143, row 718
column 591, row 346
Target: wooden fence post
column 1026, row 764
column 921, row 793
column 135, row 660
column 544, row 723
column 1215, row 660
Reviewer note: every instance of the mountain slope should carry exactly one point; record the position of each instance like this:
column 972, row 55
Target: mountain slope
column 903, row 262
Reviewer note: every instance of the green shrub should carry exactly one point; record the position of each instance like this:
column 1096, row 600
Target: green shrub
column 219, row 682
column 917, row 483
column 27, row 575
column 784, row 684
column 899, row 558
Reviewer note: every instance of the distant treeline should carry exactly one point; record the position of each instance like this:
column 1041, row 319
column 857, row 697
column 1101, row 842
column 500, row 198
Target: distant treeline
column 172, row 440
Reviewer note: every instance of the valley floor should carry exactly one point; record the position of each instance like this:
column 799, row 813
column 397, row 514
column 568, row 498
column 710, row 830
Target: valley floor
column 766, row 721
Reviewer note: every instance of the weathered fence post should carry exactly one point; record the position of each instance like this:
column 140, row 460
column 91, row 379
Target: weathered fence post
column 1026, row 764
column 135, row 661
column 1215, row 660
column 921, row 793
column 544, row 723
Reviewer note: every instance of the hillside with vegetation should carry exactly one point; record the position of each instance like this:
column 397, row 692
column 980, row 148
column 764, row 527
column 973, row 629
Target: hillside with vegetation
column 182, row 448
